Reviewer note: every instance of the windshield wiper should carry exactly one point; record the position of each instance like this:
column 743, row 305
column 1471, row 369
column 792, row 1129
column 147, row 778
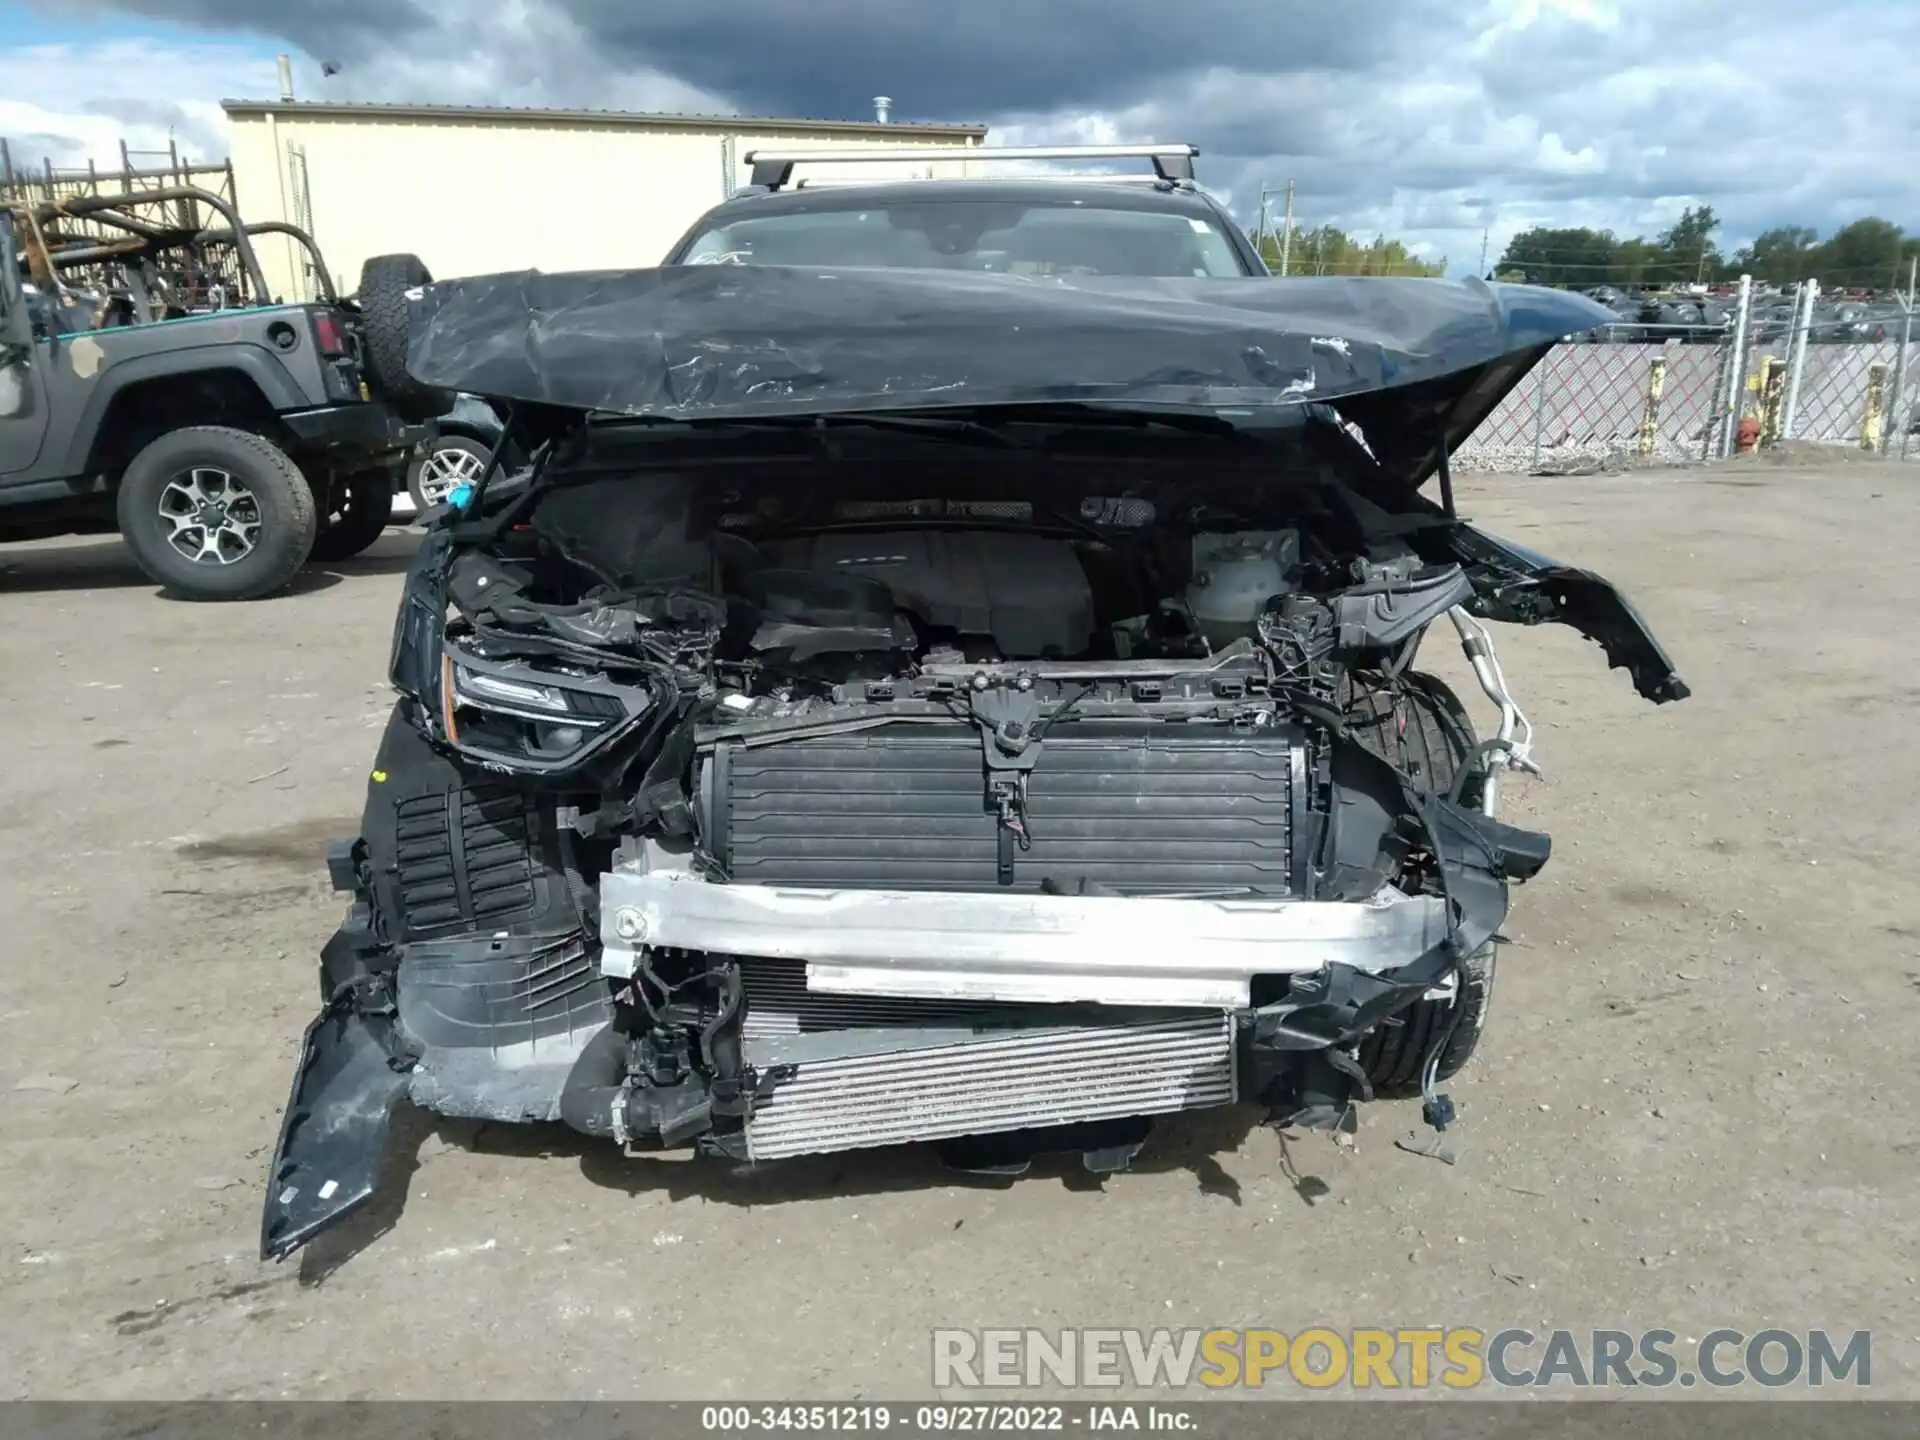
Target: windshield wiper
column 1094, row 412
column 986, row 426
column 944, row 427
column 989, row 425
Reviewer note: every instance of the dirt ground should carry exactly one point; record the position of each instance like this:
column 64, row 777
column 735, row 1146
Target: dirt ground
column 1695, row 1106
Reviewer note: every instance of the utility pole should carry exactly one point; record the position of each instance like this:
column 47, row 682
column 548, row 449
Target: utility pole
column 1483, row 252
column 1286, row 233
column 1260, row 228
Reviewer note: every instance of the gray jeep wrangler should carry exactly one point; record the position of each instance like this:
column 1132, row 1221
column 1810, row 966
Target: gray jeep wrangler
column 149, row 384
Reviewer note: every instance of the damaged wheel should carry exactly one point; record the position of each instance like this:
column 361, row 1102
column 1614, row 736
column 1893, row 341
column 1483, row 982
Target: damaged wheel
column 1423, row 728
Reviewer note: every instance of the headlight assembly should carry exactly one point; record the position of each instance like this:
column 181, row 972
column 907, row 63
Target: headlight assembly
column 532, row 719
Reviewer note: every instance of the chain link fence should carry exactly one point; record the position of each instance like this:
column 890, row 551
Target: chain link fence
column 1855, row 388
column 1630, row 398
column 1660, row 395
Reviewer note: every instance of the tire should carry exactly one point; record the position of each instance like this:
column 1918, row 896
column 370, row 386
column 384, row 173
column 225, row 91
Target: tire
column 361, row 511
column 1393, row 1052
column 384, row 283
column 252, row 488
column 1422, row 728
column 427, row 483
column 1429, row 735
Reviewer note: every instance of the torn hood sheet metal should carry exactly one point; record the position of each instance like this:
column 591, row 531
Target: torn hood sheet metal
column 717, row 342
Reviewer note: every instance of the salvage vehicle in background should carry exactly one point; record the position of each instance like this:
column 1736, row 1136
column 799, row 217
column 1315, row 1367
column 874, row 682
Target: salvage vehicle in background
column 457, row 453
column 149, row 384
column 939, row 704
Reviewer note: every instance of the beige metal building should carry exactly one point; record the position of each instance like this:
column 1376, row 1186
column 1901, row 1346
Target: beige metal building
column 473, row 190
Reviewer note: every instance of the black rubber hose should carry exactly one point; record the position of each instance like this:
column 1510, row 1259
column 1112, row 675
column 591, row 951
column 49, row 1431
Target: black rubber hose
column 596, row 1085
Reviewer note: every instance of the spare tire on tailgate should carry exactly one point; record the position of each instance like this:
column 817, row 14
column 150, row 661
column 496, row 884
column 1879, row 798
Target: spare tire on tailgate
column 384, row 283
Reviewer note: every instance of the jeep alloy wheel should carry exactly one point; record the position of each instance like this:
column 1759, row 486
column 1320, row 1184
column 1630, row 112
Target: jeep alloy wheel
column 215, row 513
column 214, row 518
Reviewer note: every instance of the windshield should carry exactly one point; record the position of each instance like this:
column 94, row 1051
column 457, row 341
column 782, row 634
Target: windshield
column 1008, row 237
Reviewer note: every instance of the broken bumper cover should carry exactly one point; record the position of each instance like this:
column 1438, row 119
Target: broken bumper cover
column 334, row 1134
column 1342, row 968
column 1025, row 948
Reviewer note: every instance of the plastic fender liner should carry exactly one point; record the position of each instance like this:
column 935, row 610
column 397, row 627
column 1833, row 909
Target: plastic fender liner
column 333, row 1137
column 1478, row 856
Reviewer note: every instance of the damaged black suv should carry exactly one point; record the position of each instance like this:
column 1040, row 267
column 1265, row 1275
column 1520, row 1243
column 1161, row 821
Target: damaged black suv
column 902, row 705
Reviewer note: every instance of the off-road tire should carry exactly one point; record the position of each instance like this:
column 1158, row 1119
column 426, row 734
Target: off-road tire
column 287, row 519
column 384, row 283
column 361, row 510
column 1429, row 734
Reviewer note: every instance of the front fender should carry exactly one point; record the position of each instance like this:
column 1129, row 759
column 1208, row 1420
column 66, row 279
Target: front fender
column 1521, row 586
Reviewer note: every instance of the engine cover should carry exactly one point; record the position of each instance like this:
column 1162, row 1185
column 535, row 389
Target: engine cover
column 1027, row 592
column 1147, row 808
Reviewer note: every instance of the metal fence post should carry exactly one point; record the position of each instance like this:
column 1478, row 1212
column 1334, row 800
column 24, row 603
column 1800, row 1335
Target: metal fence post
column 1737, row 369
column 1797, row 356
column 1901, row 410
column 1650, row 416
column 1710, row 428
column 1540, row 409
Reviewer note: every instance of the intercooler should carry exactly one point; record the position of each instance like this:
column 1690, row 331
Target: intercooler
column 870, row 1071
column 1138, row 808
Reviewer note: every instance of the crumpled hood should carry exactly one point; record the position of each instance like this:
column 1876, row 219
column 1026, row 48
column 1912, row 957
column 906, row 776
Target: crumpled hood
column 1417, row 363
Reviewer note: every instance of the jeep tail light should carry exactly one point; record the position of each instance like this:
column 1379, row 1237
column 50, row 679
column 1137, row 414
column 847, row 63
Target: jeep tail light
column 328, row 334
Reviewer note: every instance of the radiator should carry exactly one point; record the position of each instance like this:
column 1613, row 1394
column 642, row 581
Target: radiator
column 1143, row 809
column 938, row 1070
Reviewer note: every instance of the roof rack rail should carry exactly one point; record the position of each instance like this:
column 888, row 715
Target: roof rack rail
column 1050, row 179
column 773, row 169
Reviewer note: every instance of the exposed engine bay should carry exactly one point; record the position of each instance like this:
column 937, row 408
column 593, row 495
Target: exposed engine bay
column 785, row 616
column 917, row 792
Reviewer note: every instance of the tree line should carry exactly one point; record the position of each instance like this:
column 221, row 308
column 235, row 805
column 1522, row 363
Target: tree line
column 1329, row 250
column 1868, row 253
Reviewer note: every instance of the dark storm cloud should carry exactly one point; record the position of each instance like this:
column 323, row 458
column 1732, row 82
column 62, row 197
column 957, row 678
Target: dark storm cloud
column 828, row 57
column 27, row 150
column 317, row 26
column 1429, row 118
column 198, row 135
column 986, row 57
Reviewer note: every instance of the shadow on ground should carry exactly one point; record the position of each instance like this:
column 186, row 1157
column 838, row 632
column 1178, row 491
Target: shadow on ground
column 101, row 562
column 1192, row 1142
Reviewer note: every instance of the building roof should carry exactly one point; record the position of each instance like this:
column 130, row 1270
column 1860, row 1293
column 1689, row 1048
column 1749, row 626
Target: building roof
column 639, row 119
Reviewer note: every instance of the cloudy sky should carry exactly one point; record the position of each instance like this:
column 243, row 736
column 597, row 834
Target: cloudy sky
column 1432, row 120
